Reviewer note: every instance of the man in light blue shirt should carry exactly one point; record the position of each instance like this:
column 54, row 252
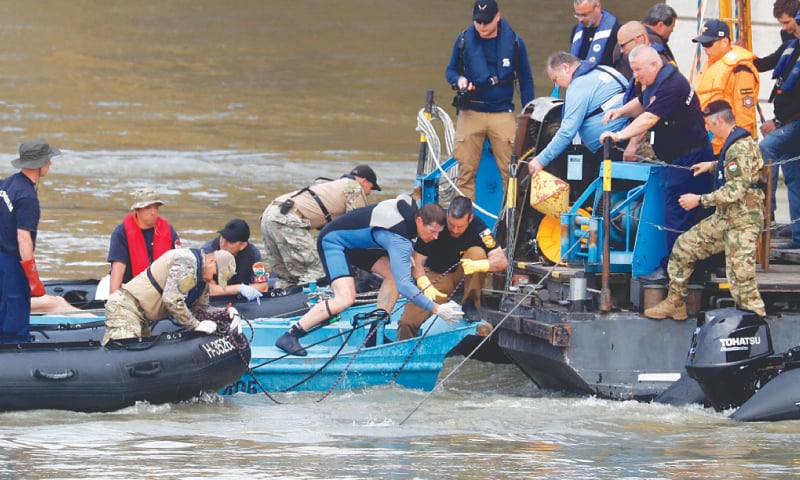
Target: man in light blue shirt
column 590, row 92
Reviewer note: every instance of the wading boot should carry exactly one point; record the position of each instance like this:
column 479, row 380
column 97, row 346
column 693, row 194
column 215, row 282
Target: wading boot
column 288, row 342
column 672, row 306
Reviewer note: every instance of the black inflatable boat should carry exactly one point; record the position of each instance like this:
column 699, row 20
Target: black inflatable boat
column 66, row 368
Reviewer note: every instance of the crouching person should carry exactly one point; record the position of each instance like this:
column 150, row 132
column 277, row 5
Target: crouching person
column 175, row 285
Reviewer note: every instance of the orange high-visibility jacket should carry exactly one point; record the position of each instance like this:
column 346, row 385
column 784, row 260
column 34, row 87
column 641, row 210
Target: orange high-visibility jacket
column 733, row 78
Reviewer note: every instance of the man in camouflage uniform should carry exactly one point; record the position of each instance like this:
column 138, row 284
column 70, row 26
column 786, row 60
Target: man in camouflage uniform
column 733, row 228
column 175, row 285
column 287, row 222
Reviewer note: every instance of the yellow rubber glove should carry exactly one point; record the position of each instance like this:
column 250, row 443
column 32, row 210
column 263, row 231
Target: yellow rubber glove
column 474, row 266
column 424, row 284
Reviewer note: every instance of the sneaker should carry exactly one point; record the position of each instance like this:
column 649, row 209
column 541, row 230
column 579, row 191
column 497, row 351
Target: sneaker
column 789, row 246
column 289, row 343
column 656, row 276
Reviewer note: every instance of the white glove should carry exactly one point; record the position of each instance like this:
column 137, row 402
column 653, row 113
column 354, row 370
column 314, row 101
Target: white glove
column 206, row 326
column 250, row 293
column 450, row 312
column 236, row 323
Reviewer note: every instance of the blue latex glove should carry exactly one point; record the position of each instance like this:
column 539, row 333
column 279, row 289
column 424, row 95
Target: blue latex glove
column 250, row 293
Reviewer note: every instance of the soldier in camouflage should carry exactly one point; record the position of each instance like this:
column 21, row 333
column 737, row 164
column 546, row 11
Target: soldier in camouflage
column 287, row 222
column 175, row 285
column 733, row 228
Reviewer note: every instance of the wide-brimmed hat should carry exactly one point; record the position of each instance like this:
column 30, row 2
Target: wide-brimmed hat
column 35, row 154
column 237, row 230
column 226, row 267
column 365, row 171
column 144, row 197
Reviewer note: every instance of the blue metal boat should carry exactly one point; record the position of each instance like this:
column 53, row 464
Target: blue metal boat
column 358, row 349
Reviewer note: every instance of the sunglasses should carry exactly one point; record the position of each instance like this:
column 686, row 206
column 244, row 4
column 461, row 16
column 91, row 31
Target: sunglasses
column 484, row 22
column 622, row 45
column 708, row 44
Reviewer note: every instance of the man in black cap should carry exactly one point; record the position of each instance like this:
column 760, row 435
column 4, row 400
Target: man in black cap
column 488, row 59
column 729, row 74
column 250, row 279
column 287, row 222
column 19, row 221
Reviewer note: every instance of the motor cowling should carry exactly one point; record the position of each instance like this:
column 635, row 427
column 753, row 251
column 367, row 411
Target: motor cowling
column 729, row 347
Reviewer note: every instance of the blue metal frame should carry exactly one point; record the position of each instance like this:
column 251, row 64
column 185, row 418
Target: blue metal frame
column 641, row 249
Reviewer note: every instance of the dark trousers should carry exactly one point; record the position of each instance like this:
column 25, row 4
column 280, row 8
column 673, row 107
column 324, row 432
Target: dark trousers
column 15, row 301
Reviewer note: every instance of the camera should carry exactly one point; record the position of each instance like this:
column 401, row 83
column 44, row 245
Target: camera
column 463, row 99
column 286, row 206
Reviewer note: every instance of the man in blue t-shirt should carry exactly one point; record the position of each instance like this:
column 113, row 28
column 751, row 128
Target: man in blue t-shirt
column 140, row 239
column 669, row 107
column 463, row 253
column 235, row 238
column 19, row 221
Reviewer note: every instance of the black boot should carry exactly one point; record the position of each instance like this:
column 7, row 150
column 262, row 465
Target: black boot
column 288, row 341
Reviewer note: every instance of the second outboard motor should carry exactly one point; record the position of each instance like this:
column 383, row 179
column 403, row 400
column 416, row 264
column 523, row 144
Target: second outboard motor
column 729, row 346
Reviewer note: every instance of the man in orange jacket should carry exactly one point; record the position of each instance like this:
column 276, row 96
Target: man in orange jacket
column 19, row 222
column 728, row 75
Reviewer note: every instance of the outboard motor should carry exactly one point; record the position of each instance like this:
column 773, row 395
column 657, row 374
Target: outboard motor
column 729, row 347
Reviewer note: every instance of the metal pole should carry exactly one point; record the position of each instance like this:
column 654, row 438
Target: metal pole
column 605, row 292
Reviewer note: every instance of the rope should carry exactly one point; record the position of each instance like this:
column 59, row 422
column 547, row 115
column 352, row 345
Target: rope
column 530, row 290
column 432, row 158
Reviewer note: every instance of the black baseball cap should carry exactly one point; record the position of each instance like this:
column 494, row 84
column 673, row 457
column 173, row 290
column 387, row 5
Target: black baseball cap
column 713, row 30
column 365, row 171
column 715, row 107
column 237, row 230
column 484, row 10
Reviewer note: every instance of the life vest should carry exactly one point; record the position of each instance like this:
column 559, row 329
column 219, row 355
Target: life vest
column 736, row 134
column 137, row 250
column 785, row 74
column 473, row 61
column 714, row 82
column 396, row 216
column 599, row 41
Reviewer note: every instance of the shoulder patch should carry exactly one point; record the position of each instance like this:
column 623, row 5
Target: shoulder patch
column 488, row 239
column 733, row 169
column 748, row 102
column 186, row 283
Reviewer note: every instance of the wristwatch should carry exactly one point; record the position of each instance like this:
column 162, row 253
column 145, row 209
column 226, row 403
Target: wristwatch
column 778, row 123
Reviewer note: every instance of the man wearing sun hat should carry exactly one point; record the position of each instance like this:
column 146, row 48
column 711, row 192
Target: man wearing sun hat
column 19, row 222
column 287, row 222
column 175, row 286
column 140, row 239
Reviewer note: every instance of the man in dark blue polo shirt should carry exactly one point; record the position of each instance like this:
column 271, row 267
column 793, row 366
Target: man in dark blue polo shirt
column 464, row 252
column 669, row 107
column 19, row 221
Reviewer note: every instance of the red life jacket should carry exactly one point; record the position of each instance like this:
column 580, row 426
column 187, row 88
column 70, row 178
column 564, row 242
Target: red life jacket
column 137, row 250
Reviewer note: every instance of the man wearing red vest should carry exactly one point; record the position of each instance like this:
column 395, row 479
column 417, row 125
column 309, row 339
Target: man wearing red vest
column 140, row 239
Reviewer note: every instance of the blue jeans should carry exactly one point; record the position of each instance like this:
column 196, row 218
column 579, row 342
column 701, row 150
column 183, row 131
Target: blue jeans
column 781, row 144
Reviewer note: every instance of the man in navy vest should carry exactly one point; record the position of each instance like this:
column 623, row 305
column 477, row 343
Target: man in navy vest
column 780, row 134
column 488, row 58
column 595, row 35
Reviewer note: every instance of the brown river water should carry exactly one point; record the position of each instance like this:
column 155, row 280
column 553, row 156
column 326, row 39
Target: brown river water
column 221, row 106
